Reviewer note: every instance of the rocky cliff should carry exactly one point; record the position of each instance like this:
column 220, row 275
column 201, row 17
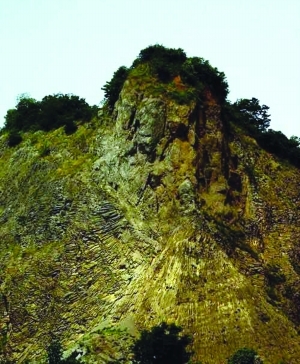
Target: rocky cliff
column 157, row 211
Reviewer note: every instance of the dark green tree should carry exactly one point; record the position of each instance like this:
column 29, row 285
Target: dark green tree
column 14, row 138
column 165, row 63
column 253, row 114
column 244, row 356
column 163, row 344
column 113, row 87
column 199, row 73
column 276, row 142
column 54, row 352
column 294, row 141
column 52, row 112
column 11, row 119
column 24, row 116
column 59, row 110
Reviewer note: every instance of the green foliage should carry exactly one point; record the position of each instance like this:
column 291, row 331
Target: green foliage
column 55, row 353
column 163, row 344
column 182, row 97
column 165, row 62
column 72, row 359
column 276, row 142
column 70, row 127
column 244, row 356
column 199, row 73
column 59, row 110
column 113, row 87
column 52, row 112
column 23, row 115
column 14, row 138
column 255, row 120
column 252, row 114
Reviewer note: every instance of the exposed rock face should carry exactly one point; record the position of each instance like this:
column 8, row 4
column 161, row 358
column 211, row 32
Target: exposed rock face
column 158, row 213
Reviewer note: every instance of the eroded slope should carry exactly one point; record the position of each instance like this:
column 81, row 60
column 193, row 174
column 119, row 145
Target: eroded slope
column 160, row 212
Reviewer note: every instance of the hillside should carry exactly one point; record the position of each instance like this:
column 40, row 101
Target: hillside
column 159, row 209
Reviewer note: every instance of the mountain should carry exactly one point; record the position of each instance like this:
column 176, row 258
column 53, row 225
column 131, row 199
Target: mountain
column 161, row 208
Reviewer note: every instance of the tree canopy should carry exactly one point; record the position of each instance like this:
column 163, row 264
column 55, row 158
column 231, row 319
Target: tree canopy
column 167, row 63
column 55, row 354
column 163, row 344
column 52, row 112
column 253, row 114
column 113, row 87
column 244, row 356
column 255, row 119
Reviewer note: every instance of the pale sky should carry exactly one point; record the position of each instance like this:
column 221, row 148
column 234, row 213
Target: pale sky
column 74, row 46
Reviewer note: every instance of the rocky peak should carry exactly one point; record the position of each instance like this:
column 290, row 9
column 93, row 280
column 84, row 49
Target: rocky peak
column 159, row 210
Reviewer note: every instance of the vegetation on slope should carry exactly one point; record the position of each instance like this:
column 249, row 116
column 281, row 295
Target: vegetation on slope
column 181, row 78
column 161, row 344
column 195, row 76
column 52, row 112
column 254, row 120
column 185, row 79
column 198, row 237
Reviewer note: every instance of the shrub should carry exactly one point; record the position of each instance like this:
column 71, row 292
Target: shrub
column 70, row 127
column 14, row 138
column 255, row 120
column 276, row 142
column 55, row 352
column 113, row 87
column 60, row 110
column 253, row 114
column 165, row 62
column 52, row 112
column 244, row 356
column 163, row 344
column 182, row 97
column 199, row 73
column 24, row 116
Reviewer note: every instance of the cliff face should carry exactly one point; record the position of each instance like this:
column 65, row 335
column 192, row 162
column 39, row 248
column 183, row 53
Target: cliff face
column 160, row 212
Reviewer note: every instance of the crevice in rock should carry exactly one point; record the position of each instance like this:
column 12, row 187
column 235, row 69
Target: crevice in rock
column 131, row 118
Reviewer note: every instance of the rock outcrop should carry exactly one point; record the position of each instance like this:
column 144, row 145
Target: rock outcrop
column 158, row 212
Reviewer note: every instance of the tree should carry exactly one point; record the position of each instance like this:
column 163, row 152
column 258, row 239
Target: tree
column 113, row 87
column 199, row 73
column 163, row 344
column 60, row 110
column 244, row 356
column 14, row 138
column 54, row 352
column 276, row 142
column 51, row 113
column 165, row 63
column 24, row 116
column 294, row 141
column 252, row 114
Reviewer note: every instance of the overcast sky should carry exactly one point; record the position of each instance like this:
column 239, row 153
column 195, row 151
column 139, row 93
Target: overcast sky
column 74, row 46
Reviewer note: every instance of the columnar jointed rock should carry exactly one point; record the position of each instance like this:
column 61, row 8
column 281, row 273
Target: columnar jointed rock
column 155, row 213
